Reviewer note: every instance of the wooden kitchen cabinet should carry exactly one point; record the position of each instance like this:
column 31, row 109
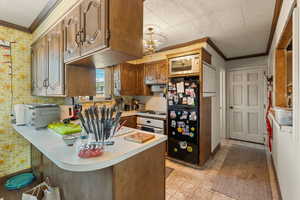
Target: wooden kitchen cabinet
column 93, row 20
column 130, row 121
column 156, row 72
column 39, row 67
column 47, row 64
column 142, row 89
column 56, row 76
column 51, row 77
column 162, row 71
column 104, row 33
column 125, row 80
column 72, row 34
column 129, row 80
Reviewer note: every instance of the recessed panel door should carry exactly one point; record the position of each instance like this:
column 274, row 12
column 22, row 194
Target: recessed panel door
column 56, row 77
column 72, row 35
column 93, row 21
column 246, row 105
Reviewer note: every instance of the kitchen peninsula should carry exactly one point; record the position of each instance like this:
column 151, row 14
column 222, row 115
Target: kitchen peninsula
column 126, row 170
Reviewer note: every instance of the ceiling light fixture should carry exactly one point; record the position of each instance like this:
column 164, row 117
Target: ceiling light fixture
column 152, row 39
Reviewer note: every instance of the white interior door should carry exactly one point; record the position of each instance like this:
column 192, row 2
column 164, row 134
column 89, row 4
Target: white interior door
column 246, row 105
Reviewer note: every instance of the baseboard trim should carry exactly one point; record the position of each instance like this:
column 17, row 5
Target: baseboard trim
column 276, row 177
column 185, row 163
column 246, row 141
column 215, row 151
column 4, row 178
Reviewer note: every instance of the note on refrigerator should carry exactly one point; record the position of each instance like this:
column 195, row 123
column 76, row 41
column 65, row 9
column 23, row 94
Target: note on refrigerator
column 180, row 87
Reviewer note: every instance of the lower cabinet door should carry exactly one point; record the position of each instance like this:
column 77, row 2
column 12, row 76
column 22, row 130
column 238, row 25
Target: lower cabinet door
column 183, row 150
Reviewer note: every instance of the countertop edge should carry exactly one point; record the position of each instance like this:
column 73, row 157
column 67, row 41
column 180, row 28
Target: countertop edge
column 287, row 129
column 96, row 166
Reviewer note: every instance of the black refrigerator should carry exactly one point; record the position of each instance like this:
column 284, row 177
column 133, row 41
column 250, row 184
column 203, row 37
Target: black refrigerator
column 183, row 118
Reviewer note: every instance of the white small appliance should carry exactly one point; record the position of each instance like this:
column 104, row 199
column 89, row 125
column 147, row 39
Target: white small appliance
column 152, row 121
column 40, row 115
column 19, row 110
column 184, row 65
column 66, row 112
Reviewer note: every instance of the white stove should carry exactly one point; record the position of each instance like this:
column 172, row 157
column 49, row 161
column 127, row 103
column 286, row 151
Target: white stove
column 154, row 114
column 152, row 121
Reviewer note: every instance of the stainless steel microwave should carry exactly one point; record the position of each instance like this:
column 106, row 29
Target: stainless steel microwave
column 184, row 65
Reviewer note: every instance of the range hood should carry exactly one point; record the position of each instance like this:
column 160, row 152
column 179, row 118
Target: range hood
column 158, row 88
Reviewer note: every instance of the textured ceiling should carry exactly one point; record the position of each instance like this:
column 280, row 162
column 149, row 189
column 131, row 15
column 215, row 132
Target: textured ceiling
column 21, row 12
column 238, row 27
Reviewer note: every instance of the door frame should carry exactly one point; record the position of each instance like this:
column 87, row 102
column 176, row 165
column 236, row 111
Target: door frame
column 264, row 99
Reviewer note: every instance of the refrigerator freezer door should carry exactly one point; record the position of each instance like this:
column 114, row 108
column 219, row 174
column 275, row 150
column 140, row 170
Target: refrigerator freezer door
column 183, row 150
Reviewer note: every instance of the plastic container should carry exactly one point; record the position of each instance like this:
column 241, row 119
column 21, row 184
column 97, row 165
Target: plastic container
column 85, row 148
column 284, row 116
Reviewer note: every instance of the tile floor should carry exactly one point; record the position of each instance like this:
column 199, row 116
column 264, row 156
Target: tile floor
column 185, row 183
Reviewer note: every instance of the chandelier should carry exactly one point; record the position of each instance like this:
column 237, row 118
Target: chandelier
column 152, row 39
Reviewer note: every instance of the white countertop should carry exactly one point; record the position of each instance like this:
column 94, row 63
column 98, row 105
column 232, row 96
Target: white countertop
column 54, row 148
column 287, row 129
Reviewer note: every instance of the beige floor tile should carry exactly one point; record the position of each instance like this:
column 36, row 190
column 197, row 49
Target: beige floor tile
column 188, row 183
column 179, row 195
column 219, row 196
column 202, row 194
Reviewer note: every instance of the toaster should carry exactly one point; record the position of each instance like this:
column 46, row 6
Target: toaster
column 40, row 115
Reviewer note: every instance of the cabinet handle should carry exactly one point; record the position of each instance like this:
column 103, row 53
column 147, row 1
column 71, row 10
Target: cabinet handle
column 82, row 36
column 76, row 38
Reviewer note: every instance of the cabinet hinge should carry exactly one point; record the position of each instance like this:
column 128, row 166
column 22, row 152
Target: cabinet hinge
column 108, row 35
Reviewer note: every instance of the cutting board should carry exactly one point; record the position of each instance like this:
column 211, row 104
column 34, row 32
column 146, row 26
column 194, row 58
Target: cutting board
column 139, row 137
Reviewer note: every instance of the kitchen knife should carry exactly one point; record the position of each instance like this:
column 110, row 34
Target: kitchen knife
column 107, row 123
column 102, row 111
column 96, row 112
column 82, row 122
column 116, row 122
column 86, row 112
column 93, row 123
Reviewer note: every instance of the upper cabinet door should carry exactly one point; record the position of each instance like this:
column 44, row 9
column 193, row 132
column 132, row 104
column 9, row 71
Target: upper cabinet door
column 39, row 67
column 162, row 72
column 93, row 21
column 72, row 35
column 55, row 83
column 150, row 73
column 128, row 75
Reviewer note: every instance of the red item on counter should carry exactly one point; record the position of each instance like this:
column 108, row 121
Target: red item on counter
column 90, row 153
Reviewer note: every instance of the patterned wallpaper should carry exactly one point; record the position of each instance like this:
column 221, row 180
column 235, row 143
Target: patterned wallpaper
column 14, row 150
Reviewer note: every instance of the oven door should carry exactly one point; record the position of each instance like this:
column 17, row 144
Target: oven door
column 150, row 129
column 184, row 65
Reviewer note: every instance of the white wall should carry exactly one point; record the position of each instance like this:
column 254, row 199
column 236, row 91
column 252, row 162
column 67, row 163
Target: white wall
column 156, row 102
column 218, row 117
column 287, row 145
column 248, row 62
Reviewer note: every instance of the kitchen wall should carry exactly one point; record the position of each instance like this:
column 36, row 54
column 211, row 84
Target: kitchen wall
column 156, row 102
column 248, row 62
column 14, row 150
column 288, row 146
